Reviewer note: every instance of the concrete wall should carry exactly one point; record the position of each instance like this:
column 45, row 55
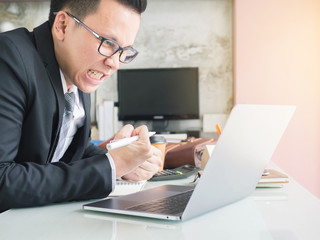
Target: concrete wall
column 187, row 33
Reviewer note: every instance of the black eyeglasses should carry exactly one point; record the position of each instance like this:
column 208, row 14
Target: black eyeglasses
column 109, row 47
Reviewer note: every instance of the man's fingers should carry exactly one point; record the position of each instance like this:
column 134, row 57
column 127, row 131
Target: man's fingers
column 125, row 131
column 148, row 168
column 143, row 133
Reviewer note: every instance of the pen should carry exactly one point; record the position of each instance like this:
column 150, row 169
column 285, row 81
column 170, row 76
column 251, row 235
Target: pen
column 218, row 129
column 124, row 141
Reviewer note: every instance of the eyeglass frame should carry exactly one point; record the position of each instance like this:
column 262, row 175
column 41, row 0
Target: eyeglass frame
column 103, row 39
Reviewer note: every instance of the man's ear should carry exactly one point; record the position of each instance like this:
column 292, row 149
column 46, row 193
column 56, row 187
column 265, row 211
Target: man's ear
column 60, row 25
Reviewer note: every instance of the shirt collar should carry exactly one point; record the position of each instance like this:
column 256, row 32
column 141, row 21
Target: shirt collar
column 64, row 84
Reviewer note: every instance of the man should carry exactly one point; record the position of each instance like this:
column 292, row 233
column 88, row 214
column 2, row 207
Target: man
column 45, row 80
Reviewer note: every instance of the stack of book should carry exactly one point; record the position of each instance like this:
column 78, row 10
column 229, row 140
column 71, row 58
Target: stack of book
column 272, row 178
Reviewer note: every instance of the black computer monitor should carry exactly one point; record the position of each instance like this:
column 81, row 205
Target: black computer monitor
column 158, row 94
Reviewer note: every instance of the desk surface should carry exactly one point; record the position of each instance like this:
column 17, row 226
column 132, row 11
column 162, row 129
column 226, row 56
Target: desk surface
column 290, row 212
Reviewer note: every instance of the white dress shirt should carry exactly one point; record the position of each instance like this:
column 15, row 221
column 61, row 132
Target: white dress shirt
column 76, row 123
column 78, row 118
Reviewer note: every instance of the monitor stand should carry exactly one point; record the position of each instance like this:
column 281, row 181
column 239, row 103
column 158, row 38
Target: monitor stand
column 159, row 126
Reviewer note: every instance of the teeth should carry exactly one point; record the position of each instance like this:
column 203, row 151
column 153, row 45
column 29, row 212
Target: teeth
column 94, row 74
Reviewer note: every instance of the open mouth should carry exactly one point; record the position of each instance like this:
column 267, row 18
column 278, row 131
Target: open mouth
column 95, row 74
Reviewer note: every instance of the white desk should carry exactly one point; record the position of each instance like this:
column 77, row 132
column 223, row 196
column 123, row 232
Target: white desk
column 287, row 213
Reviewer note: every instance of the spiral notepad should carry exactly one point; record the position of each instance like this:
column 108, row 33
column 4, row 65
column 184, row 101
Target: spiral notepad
column 124, row 187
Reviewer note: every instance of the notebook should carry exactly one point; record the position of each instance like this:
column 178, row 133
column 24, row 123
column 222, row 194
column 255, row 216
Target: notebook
column 245, row 146
column 274, row 179
column 124, row 187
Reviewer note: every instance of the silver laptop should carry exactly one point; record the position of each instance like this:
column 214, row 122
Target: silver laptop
column 245, row 146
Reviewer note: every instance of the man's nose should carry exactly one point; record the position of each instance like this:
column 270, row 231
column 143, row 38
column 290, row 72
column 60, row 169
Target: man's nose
column 113, row 61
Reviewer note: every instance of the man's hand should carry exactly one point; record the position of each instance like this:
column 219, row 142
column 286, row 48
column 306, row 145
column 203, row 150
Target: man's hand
column 138, row 160
column 147, row 169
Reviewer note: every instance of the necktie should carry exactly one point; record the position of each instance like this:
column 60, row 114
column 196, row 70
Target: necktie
column 67, row 118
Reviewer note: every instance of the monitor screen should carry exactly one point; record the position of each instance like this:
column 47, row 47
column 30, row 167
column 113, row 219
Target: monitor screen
column 158, row 94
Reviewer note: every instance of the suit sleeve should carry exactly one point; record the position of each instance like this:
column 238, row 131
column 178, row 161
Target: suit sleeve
column 33, row 182
column 92, row 150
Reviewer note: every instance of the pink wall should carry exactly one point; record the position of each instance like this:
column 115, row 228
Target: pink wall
column 277, row 61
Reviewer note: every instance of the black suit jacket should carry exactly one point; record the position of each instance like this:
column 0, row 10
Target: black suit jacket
column 31, row 110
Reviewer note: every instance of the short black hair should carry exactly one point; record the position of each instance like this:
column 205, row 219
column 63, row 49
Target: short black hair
column 82, row 8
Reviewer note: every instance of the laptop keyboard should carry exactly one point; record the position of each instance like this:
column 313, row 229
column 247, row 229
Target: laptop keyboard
column 169, row 205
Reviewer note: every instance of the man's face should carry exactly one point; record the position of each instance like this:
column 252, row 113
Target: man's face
column 77, row 54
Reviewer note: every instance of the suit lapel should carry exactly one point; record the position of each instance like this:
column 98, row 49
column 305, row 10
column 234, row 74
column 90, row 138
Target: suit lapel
column 44, row 44
column 85, row 97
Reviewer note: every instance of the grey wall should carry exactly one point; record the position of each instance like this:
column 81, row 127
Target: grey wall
column 173, row 33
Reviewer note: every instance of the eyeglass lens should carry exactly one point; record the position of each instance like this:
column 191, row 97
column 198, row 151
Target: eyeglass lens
column 108, row 48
